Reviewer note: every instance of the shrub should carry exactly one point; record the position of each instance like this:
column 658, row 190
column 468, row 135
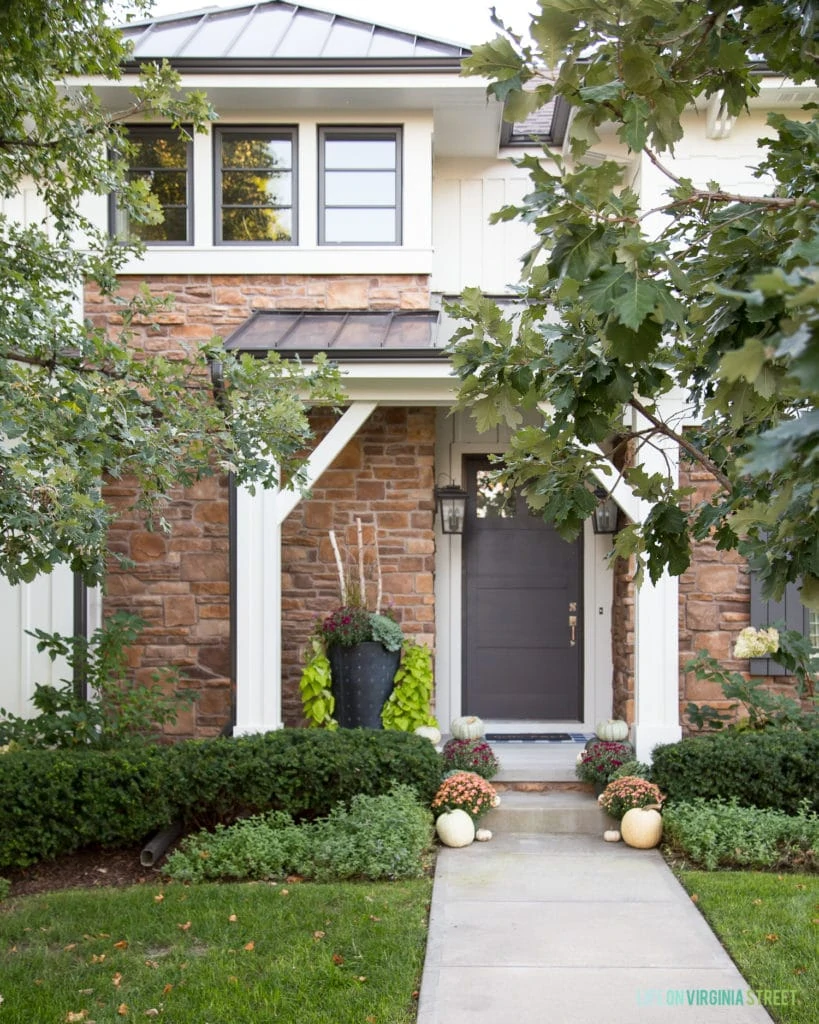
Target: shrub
column 260, row 847
column 716, row 834
column 465, row 791
column 378, row 837
column 470, row 756
column 305, row 772
column 626, row 792
column 598, row 762
column 777, row 768
column 54, row 802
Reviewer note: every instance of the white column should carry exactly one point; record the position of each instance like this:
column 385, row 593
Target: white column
column 259, row 519
column 258, row 612
column 656, row 626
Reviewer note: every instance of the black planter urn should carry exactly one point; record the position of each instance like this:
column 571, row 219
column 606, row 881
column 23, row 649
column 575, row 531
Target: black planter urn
column 362, row 682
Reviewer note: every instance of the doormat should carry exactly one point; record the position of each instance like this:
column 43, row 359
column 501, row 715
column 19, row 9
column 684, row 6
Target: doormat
column 529, row 737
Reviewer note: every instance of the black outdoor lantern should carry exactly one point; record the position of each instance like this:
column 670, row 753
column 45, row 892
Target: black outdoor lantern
column 450, row 503
column 604, row 517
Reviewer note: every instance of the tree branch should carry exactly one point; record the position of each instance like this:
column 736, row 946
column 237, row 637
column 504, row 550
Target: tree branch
column 684, row 443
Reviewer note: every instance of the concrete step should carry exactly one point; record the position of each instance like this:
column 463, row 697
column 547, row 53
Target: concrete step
column 552, row 811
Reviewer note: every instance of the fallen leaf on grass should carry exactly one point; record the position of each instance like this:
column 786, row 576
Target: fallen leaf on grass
column 250, row 946
column 122, row 1009
column 318, row 935
column 167, row 989
column 97, row 958
column 86, row 991
column 160, row 896
column 772, row 937
column 153, row 1012
column 233, row 919
column 74, row 1017
column 122, row 944
column 694, row 898
column 116, row 981
column 294, row 879
column 151, row 963
column 233, row 979
column 370, row 1019
column 338, row 959
column 757, row 903
column 69, row 947
column 362, row 978
column 374, row 918
column 184, row 927
column 284, row 892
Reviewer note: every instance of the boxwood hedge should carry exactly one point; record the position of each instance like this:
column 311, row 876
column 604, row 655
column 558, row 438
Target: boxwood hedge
column 777, row 768
column 54, row 802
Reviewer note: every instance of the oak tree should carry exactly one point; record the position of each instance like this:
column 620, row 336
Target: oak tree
column 712, row 294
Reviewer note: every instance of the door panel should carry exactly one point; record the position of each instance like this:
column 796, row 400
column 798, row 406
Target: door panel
column 522, row 582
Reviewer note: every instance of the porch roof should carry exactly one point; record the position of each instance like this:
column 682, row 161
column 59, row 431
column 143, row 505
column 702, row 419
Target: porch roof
column 343, row 334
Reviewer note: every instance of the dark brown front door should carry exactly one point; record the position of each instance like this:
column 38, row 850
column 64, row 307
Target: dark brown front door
column 523, row 615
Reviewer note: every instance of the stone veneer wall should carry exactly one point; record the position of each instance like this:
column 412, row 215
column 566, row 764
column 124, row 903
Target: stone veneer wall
column 180, row 583
column 715, row 604
column 385, row 476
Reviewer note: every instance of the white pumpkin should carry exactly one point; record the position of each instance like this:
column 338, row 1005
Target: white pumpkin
column 429, row 732
column 455, row 828
column 483, row 835
column 642, row 827
column 611, row 835
column 612, row 729
column 467, row 727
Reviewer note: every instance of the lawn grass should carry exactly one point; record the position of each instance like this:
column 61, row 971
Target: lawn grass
column 216, row 954
column 769, row 924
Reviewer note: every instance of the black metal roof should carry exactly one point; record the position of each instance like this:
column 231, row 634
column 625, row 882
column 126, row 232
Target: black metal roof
column 279, row 31
column 342, row 334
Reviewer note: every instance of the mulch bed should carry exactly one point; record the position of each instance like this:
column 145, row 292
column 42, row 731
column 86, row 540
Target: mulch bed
column 93, row 868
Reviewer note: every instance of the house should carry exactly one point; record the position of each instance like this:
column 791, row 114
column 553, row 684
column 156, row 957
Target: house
column 341, row 197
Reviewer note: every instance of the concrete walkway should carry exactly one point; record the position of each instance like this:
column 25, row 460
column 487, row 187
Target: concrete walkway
column 568, row 929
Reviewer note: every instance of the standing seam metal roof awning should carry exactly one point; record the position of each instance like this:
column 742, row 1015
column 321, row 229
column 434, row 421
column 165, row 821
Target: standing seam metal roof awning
column 280, row 31
column 342, row 334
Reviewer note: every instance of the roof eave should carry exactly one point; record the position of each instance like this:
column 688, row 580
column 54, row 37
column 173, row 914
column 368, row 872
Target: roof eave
column 300, row 65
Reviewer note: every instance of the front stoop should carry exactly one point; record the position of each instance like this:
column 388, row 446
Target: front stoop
column 548, row 812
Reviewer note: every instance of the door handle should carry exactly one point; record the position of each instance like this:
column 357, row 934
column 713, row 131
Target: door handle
column 572, row 630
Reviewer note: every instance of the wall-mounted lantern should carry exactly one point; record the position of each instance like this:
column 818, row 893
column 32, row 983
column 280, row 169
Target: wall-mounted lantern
column 604, row 517
column 450, row 504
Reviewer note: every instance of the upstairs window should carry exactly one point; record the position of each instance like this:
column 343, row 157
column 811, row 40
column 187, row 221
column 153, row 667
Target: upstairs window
column 255, row 185
column 164, row 160
column 359, row 186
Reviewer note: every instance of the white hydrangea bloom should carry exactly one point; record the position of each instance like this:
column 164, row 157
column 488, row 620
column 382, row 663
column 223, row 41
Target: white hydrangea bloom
column 756, row 643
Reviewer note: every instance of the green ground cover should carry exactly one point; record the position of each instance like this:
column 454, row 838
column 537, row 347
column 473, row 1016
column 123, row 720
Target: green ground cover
column 769, row 923
column 216, row 954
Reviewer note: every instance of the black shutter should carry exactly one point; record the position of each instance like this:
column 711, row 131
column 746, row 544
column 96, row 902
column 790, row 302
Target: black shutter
column 789, row 610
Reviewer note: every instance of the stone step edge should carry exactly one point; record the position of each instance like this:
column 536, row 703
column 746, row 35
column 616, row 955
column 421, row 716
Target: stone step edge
column 513, row 785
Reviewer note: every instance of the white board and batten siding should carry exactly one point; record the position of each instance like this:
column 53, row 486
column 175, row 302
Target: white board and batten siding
column 48, row 604
column 468, row 251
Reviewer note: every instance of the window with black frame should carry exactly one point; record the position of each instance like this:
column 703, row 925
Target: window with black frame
column 161, row 157
column 255, row 185
column 359, row 186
